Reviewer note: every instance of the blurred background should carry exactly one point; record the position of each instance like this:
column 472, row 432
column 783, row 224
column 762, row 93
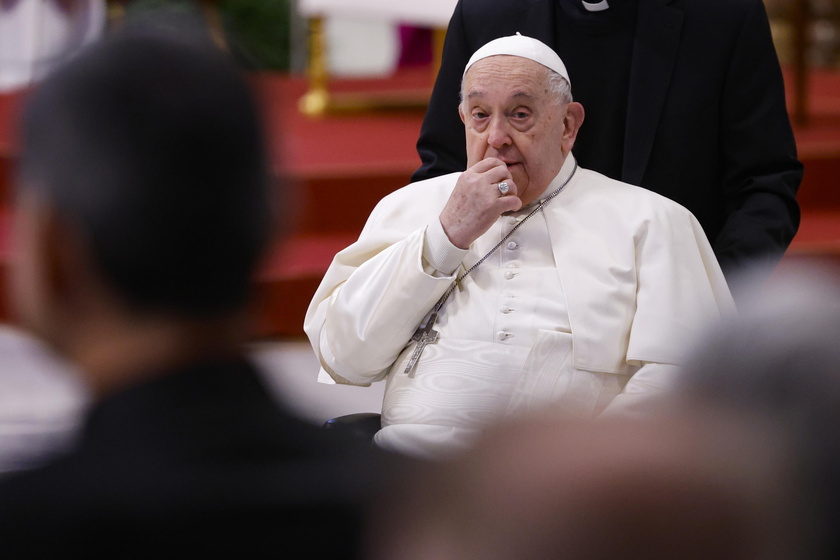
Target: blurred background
column 343, row 86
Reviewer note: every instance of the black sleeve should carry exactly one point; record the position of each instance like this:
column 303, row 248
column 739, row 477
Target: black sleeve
column 758, row 151
column 442, row 145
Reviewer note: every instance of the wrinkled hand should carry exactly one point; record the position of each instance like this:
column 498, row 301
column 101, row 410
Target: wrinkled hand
column 476, row 203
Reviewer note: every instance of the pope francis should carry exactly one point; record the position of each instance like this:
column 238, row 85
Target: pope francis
column 523, row 282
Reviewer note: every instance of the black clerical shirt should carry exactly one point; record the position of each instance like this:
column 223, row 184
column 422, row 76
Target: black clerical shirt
column 597, row 48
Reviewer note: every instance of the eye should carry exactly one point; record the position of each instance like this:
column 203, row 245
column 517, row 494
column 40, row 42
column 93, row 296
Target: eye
column 521, row 118
column 479, row 120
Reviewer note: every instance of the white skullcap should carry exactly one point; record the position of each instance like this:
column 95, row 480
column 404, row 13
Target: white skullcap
column 526, row 47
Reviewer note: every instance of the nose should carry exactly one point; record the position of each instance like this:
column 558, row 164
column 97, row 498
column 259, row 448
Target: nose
column 498, row 132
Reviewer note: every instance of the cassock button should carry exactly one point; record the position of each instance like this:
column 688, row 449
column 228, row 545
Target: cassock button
column 508, row 275
column 512, row 245
column 501, row 335
column 506, row 309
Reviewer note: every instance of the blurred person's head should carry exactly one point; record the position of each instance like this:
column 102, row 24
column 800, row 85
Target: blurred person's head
column 777, row 366
column 549, row 487
column 143, row 201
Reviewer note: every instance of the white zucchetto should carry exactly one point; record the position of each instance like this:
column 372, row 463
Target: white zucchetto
column 526, row 47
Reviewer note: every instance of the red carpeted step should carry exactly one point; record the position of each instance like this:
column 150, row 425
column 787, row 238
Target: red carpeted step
column 6, row 179
column 341, row 203
column 11, row 104
column 820, row 189
column 5, row 261
column 819, row 231
column 289, row 278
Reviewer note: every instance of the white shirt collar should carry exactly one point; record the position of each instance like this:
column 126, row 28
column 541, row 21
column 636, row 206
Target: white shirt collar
column 596, row 6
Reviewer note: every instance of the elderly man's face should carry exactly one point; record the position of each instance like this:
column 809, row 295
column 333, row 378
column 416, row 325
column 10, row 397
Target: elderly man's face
column 510, row 114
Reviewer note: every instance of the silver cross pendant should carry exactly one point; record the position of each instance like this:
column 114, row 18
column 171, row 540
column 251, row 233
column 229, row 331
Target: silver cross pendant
column 424, row 335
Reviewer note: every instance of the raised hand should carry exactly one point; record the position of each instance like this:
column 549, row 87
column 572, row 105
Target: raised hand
column 476, row 202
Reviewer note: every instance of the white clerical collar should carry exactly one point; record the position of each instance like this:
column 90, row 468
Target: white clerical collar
column 596, row 6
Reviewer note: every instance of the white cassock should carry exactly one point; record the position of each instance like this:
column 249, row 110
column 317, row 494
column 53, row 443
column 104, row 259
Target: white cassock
column 589, row 306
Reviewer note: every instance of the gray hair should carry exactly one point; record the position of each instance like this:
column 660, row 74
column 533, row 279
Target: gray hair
column 560, row 87
column 557, row 85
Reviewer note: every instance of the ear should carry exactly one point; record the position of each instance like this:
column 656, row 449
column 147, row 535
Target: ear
column 39, row 277
column 572, row 121
column 72, row 289
column 461, row 113
column 57, row 242
column 68, row 272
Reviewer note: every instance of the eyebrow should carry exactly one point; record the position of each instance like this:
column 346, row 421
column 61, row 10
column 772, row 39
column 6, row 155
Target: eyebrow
column 516, row 95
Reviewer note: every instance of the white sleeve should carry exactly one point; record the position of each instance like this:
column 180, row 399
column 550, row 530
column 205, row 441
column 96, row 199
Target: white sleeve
column 359, row 325
column 440, row 256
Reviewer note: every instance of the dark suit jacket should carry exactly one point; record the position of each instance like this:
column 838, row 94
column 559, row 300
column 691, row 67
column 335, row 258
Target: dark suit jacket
column 194, row 464
column 706, row 122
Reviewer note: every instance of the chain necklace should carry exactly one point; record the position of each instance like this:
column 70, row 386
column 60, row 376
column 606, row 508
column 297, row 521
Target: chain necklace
column 425, row 334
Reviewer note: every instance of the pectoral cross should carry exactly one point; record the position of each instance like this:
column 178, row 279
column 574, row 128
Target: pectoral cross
column 424, row 335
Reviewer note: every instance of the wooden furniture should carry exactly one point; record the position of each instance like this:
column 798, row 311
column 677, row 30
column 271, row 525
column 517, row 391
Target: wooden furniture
column 815, row 25
column 319, row 99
